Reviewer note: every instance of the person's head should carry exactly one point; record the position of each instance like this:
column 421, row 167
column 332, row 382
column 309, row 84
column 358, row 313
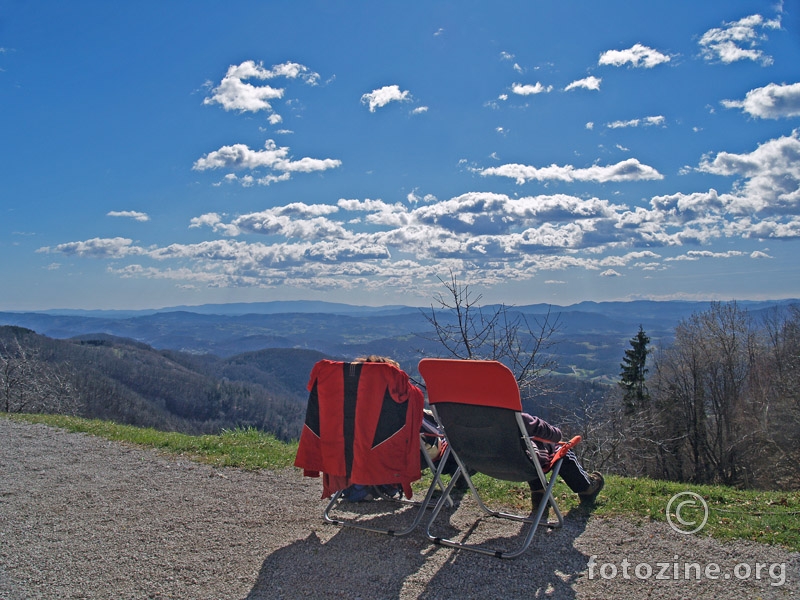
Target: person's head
column 374, row 358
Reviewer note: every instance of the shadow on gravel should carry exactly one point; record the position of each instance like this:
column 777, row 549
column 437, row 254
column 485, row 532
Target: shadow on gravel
column 352, row 564
column 358, row 564
column 548, row 569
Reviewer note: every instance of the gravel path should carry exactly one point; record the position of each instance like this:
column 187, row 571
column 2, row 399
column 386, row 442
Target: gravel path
column 81, row 517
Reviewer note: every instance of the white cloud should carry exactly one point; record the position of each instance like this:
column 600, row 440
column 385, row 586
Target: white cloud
column 693, row 255
column 378, row 244
column 771, row 175
column 772, row 101
column 637, row 55
column 419, row 110
column 96, row 248
column 214, row 221
column 646, row 122
column 234, row 92
column 414, row 198
column 589, row 83
column 627, row 170
column 529, row 90
column 272, row 157
column 130, row 214
column 383, row 96
column 737, row 40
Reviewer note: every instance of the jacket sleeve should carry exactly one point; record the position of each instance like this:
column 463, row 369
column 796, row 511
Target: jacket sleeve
column 539, row 428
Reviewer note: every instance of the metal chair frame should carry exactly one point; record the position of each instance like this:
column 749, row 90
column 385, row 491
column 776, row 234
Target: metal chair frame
column 491, row 386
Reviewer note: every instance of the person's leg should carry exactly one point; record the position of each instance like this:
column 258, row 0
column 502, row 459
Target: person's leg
column 586, row 485
column 573, row 474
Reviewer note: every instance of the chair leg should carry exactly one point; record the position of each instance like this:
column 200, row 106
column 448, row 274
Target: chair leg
column 422, row 506
column 327, row 515
column 531, row 522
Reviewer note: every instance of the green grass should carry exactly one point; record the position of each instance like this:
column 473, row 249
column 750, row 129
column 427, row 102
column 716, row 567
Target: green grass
column 243, row 448
column 767, row 517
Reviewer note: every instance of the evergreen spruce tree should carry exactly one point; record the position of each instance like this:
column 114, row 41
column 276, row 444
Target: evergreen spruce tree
column 633, row 372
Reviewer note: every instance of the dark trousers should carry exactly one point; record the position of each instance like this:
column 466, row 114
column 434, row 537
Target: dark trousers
column 571, row 472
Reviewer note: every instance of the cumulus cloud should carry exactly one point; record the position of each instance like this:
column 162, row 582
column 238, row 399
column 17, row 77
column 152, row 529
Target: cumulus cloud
column 96, row 248
column 589, row 83
column 637, row 55
column 769, row 176
column 371, row 243
column 273, row 158
column 645, row 122
column 737, row 40
column 235, row 92
column 772, row 101
column 383, row 96
column 530, row 90
column 214, row 221
column 129, row 214
column 627, row 170
column 693, row 255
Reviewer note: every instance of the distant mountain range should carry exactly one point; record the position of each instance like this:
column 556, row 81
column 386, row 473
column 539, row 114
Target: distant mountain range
column 206, row 368
column 592, row 338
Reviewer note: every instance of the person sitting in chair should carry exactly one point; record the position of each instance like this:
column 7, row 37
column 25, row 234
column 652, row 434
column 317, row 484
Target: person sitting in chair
column 546, row 437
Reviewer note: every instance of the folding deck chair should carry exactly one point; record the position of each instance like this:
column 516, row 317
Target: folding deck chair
column 362, row 427
column 479, row 407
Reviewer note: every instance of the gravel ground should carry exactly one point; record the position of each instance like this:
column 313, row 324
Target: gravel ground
column 81, row 517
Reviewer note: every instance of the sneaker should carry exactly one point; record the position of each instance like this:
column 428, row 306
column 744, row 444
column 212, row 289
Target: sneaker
column 597, row 482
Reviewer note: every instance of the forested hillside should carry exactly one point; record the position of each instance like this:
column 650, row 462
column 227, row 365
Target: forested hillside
column 126, row 381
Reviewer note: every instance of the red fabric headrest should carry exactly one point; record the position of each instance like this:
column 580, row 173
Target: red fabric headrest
column 481, row 382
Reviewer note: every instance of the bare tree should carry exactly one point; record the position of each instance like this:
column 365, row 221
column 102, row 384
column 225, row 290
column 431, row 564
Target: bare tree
column 16, row 375
column 726, row 394
column 467, row 330
column 30, row 384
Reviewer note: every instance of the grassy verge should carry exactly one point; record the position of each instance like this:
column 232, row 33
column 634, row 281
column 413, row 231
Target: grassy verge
column 243, row 448
column 768, row 517
column 762, row 516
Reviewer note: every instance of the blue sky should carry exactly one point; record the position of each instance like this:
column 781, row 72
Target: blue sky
column 163, row 153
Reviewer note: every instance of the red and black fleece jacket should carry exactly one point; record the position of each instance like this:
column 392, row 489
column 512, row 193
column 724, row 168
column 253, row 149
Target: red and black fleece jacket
column 362, row 426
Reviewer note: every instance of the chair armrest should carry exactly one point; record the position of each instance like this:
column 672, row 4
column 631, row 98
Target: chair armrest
column 563, row 449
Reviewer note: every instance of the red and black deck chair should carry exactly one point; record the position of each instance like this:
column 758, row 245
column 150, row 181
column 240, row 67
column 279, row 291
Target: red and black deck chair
column 478, row 405
column 362, row 428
